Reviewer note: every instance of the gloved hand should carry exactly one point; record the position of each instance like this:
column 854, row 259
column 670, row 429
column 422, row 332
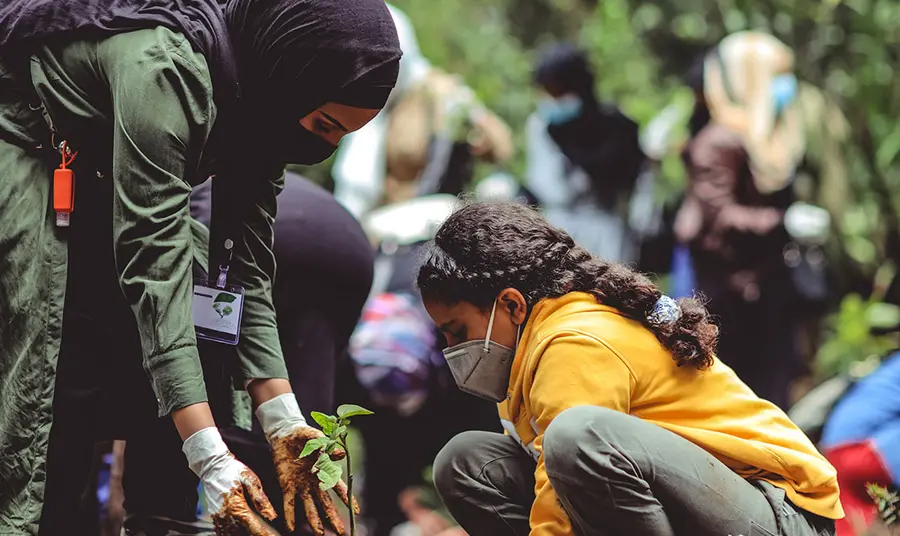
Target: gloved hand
column 287, row 433
column 227, row 485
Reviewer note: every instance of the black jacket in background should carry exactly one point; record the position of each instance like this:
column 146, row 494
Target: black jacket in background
column 604, row 143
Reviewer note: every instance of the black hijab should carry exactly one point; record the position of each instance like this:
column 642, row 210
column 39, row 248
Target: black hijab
column 601, row 140
column 295, row 55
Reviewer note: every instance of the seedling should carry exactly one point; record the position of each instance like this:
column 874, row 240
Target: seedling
column 335, row 429
column 887, row 501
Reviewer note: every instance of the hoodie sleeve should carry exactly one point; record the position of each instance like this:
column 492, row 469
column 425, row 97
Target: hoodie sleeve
column 573, row 370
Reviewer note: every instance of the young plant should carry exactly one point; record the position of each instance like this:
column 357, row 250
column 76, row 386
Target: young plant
column 327, row 470
column 887, row 501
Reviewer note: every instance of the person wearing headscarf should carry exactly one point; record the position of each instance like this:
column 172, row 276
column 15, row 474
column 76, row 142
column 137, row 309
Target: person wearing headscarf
column 746, row 144
column 584, row 156
column 425, row 141
column 325, row 265
column 142, row 100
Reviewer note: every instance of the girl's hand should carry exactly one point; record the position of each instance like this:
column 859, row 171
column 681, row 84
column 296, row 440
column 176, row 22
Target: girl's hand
column 227, row 486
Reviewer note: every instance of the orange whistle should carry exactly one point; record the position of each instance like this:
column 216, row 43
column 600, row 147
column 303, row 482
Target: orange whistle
column 63, row 195
column 64, row 187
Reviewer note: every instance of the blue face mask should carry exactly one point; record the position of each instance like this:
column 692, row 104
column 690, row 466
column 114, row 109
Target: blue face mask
column 784, row 91
column 560, row 110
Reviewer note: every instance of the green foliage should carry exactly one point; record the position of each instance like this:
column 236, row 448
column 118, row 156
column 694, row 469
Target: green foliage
column 328, row 471
column 861, row 330
column 348, row 411
column 336, row 430
column 328, row 423
column 887, row 501
column 315, row 444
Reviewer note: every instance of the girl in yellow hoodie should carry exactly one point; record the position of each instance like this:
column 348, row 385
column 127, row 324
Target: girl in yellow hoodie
column 620, row 419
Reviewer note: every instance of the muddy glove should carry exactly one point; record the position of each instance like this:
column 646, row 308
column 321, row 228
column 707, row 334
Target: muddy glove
column 287, row 433
column 227, row 485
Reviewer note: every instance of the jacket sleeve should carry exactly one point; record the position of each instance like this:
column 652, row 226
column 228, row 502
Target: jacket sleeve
column 716, row 160
column 574, row 370
column 162, row 113
column 244, row 208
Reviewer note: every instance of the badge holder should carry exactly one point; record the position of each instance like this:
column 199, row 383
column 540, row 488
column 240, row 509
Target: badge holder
column 217, row 306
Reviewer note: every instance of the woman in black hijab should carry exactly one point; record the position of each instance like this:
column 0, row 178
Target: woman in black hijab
column 154, row 96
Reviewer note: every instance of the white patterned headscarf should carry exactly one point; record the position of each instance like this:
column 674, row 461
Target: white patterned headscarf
column 740, row 83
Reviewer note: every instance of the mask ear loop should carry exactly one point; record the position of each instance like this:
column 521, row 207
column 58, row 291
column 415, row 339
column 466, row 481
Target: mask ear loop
column 487, row 338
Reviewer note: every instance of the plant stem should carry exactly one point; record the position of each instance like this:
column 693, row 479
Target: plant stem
column 349, row 487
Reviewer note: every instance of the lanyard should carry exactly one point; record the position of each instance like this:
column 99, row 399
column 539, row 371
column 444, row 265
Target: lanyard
column 221, row 280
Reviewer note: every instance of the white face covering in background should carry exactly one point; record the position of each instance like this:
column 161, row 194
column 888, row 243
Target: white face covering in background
column 482, row 367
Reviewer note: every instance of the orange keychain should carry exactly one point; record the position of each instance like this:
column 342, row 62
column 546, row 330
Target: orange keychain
column 64, row 188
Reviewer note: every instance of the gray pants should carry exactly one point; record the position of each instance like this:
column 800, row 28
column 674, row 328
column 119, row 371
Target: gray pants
column 614, row 475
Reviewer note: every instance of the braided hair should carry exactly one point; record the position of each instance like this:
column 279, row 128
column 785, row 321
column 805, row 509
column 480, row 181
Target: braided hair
column 483, row 248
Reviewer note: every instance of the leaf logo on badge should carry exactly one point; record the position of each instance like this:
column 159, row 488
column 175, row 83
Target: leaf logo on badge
column 221, row 304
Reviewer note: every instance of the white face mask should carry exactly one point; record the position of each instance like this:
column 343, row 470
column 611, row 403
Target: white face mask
column 482, row 367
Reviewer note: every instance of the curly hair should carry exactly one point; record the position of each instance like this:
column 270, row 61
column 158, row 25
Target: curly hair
column 483, row 248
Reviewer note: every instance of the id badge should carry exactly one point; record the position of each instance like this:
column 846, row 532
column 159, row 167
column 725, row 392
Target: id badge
column 217, row 312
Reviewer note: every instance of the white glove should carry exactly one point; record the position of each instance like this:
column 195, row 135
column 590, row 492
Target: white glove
column 280, row 416
column 227, row 483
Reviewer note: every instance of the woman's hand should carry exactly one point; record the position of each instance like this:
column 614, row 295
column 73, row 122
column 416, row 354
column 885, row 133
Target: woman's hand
column 287, row 433
column 227, row 486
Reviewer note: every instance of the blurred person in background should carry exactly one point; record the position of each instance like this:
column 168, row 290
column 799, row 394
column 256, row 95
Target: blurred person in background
column 861, row 438
column 584, row 156
column 425, row 141
column 747, row 141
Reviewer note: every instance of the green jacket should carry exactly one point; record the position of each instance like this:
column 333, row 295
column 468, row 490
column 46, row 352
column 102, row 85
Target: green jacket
column 139, row 106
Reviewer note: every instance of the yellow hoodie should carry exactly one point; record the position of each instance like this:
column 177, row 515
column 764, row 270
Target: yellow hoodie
column 574, row 352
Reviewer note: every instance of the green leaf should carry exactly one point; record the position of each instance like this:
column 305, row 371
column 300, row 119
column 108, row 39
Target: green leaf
column 345, row 411
column 339, row 431
column 329, row 472
column 225, row 297
column 313, row 445
column 327, row 422
column 883, row 315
